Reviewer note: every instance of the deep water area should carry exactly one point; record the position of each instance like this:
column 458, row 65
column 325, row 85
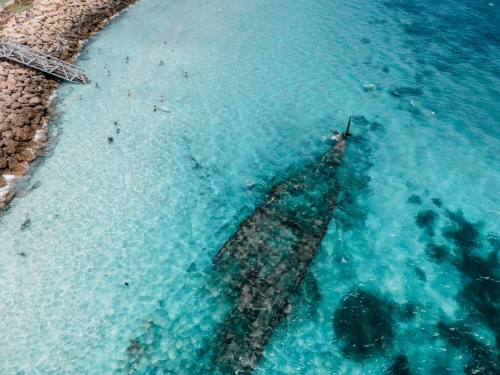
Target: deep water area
column 106, row 253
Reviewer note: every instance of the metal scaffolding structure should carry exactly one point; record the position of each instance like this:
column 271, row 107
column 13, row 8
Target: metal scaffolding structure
column 25, row 55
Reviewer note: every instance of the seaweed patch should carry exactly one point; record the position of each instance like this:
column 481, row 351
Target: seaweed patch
column 401, row 366
column 438, row 253
column 463, row 234
column 415, row 199
column 426, row 220
column 365, row 324
column 481, row 357
column 437, row 202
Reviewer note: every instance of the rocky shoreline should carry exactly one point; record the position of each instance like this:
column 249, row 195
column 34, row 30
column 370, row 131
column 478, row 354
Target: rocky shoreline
column 55, row 27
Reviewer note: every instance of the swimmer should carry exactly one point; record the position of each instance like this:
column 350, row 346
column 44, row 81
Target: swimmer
column 110, row 139
column 161, row 98
column 96, row 85
column 296, row 187
column 109, row 73
column 116, row 123
column 155, row 108
column 185, row 74
column 304, row 185
column 126, row 60
column 80, row 97
column 128, row 92
column 117, row 130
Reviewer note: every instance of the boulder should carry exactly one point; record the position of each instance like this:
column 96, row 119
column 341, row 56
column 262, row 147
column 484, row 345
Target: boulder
column 12, row 161
column 26, row 156
column 35, row 101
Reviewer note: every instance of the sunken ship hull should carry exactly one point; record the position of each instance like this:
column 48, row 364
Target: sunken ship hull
column 264, row 262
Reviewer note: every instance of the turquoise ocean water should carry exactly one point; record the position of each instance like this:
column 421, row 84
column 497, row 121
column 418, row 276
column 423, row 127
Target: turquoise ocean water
column 407, row 279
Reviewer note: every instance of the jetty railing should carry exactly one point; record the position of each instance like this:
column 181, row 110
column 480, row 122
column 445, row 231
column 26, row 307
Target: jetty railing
column 25, row 55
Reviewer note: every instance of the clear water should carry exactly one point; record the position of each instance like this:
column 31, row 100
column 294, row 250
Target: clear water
column 267, row 81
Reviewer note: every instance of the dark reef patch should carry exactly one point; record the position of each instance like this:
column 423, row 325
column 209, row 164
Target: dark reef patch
column 401, row 366
column 420, row 273
column 463, row 234
column 438, row 253
column 407, row 312
column 481, row 357
column 416, row 270
column 415, row 199
column 437, row 202
column 140, row 351
column 366, row 41
column 192, row 268
column 426, row 220
column 364, row 323
column 479, row 295
column 386, row 69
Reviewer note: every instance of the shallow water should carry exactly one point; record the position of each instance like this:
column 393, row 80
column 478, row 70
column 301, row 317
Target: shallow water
column 267, row 81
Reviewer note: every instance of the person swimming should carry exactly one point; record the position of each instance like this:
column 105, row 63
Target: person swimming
column 110, row 139
column 155, row 108
column 161, row 98
column 128, row 92
column 80, row 97
column 96, row 85
column 186, row 74
column 109, row 73
column 126, row 59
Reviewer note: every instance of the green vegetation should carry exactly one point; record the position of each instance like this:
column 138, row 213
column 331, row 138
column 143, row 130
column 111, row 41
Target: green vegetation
column 19, row 8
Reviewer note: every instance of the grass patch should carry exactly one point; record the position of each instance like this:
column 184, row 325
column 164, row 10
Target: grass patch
column 19, row 8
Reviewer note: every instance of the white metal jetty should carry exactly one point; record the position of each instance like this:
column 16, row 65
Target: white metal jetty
column 41, row 61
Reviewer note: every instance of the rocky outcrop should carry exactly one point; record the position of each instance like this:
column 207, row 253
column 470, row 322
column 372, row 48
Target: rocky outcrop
column 55, row 27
